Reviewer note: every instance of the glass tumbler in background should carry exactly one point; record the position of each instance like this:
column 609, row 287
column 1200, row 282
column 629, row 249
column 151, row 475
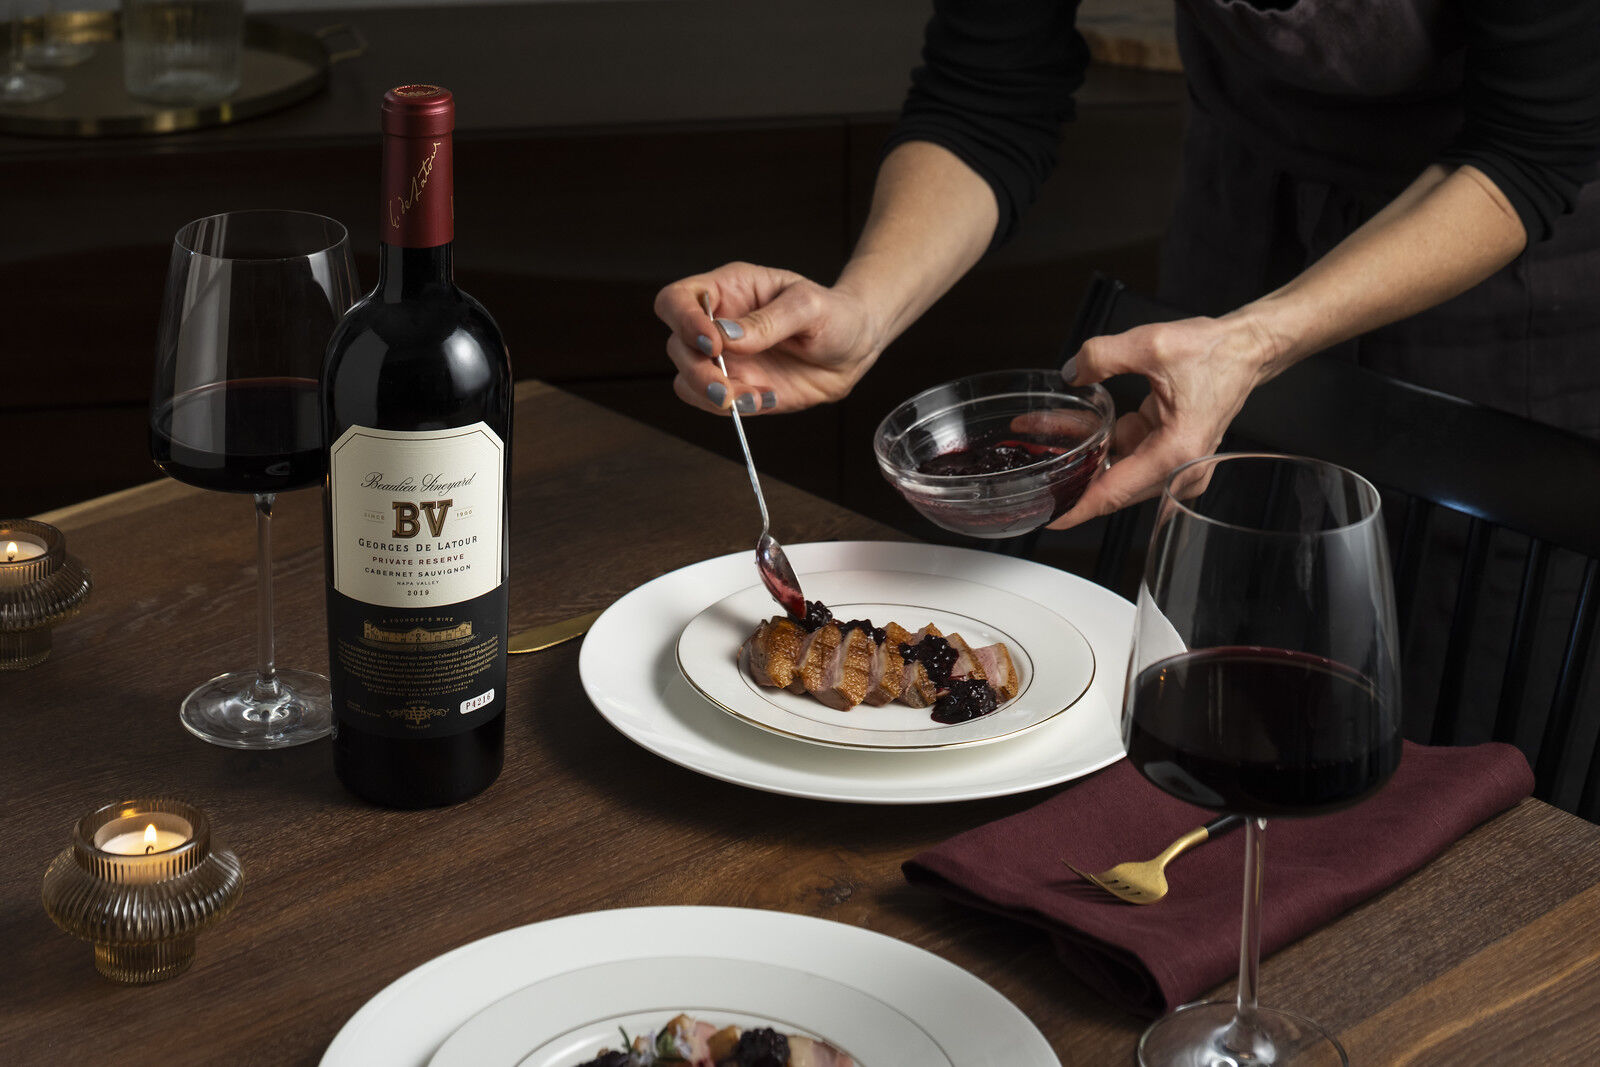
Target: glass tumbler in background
column 182, row 51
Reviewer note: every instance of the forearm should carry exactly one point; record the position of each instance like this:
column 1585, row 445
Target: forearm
column 931, row 219
column 1449, row 230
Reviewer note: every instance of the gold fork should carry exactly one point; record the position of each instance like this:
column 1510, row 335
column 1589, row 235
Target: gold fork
column 1145, row 881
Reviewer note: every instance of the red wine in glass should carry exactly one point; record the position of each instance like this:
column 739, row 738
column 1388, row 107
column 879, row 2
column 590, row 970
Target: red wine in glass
column 1260, row 731
column 255, row 435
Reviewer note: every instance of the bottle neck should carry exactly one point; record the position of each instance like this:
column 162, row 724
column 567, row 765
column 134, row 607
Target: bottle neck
column 405, row 272
column 418, row 212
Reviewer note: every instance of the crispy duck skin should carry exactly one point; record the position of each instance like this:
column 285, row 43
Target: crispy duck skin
column 771, row 651
column 883, row 677
column 811, row 665
column 916, row 688
column 998, row 670
column 846, row 674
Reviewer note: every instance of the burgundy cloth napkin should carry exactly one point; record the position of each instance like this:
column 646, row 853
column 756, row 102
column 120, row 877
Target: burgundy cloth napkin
column 1150, row 958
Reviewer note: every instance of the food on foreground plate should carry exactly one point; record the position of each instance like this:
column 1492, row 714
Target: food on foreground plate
column 856, row 662
column 694, row 1043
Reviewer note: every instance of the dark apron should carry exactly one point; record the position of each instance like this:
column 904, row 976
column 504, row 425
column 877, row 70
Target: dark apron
column 1305, row 119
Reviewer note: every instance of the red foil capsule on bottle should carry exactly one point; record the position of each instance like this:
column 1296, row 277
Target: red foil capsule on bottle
column 418, row 179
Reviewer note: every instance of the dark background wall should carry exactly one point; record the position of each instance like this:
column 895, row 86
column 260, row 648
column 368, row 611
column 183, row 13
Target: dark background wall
column 604, row 150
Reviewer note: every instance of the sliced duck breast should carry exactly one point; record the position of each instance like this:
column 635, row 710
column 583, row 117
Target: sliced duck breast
column 772, row 650
column 916, row 688
column 804, row 1052
column 845, row 676
column 886, row 673
column 811, row 664
column 998, row 670
column 966, row 665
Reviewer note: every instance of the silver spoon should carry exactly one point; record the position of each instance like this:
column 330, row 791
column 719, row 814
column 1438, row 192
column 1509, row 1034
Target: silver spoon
column 776, row 572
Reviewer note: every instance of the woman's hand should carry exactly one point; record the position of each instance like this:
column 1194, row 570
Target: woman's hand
column 790, row 342
column 1200, row 372
column 1447, row 231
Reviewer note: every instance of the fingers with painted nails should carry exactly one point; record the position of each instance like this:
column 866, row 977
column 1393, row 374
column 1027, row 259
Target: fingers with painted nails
column 788, row 342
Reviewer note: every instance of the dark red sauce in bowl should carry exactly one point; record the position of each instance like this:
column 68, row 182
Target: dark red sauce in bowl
column 997, row 454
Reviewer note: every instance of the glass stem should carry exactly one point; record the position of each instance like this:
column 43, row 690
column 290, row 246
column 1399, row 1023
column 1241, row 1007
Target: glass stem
column 14, row 45
column 1244, row 1037
column 266, row 651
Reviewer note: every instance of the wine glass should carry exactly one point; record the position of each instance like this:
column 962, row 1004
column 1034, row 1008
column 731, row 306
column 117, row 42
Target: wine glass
column 52, row 49
column 1263, row 681
column 252, row 298
column 19, row 85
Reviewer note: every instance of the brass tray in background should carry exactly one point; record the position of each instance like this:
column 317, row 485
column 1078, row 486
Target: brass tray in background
column 277, row 67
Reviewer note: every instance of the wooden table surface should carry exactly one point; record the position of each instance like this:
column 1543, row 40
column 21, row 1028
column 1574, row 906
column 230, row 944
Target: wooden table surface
column 1495, row 945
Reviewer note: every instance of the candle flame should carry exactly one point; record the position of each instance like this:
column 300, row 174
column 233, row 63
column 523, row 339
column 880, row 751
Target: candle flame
column 149, row 838
column 11, row 551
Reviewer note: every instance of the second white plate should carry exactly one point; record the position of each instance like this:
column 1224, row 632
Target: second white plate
column 408, row 1022
column 568, row 1019
column 1054, row 662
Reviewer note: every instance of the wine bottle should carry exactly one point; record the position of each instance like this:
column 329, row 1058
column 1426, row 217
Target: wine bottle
column 416, row 407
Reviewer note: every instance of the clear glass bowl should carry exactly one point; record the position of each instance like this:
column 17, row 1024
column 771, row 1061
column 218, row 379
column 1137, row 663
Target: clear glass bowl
column 935, row 448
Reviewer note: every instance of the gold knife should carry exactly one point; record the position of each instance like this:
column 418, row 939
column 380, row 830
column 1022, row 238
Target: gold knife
column 551, row 633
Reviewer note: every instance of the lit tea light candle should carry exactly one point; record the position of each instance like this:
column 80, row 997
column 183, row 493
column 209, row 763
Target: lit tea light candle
column 145, row 842
column 40, row 586
column 139, row 843
column 22, row 549
column 139, row 881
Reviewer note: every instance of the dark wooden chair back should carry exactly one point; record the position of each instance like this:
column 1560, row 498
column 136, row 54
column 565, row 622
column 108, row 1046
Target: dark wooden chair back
column 1460, row 481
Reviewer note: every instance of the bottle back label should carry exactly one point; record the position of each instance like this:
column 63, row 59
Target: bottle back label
column 417, row 613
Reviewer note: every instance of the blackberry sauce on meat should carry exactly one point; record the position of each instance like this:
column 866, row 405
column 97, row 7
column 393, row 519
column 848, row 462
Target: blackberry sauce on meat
column 965, row 699
column 817, row 614
column 935, row 654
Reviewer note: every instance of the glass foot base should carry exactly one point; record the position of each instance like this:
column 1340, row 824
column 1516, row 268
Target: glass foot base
column 1196, row 1035
column 232, row 710
column 26, row 87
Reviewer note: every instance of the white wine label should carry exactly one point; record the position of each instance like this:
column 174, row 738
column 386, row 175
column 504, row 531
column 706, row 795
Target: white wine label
column 417, row 516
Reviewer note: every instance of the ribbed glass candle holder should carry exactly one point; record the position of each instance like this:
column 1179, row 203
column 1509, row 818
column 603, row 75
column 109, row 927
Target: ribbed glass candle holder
column 40, row 585
column 139, row 881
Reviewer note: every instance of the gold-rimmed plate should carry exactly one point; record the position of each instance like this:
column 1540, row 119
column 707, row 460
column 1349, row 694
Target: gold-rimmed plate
column 1055, row 663
column 629, row 667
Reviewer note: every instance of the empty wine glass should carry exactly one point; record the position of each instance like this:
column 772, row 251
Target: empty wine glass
column 1264, row 682
column 251, row 300
column 21, row 85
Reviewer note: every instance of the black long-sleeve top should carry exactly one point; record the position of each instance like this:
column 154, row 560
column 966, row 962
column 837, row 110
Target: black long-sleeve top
column 1515, row 92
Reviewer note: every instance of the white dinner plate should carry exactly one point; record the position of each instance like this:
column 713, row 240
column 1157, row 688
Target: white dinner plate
column 1054, row 663
column 628, row 664
column 571, row 1018
column 412, row 1018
